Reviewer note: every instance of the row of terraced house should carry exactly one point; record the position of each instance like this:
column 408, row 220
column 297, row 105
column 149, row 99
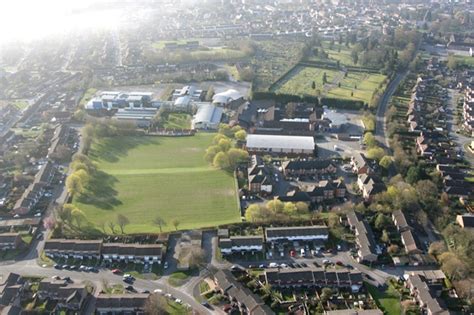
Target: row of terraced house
column 97, row 249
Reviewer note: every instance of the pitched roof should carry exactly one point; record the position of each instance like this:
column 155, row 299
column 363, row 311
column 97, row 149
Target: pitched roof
column 307, row 165
column 293, row 231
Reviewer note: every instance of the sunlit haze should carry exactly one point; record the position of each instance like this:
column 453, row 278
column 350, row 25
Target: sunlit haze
column 31, row 19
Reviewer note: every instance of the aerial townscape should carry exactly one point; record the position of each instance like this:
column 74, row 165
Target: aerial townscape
column 237, row 157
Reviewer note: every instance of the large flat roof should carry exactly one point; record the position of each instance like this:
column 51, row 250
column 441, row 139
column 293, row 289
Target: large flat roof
column 280, row 142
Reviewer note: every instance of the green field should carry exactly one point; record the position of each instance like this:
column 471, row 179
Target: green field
column 361, row 84
column 146, row 177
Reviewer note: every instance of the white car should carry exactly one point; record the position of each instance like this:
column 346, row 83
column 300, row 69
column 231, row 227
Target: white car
column 178, row 301
column 38, row 214
column 273, row 265
column 159, row 291
column 165, row 266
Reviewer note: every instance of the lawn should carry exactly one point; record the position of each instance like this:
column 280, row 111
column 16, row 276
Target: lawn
column 387, row 300
column 146, row 177
column 178, row 121
column 366, row 84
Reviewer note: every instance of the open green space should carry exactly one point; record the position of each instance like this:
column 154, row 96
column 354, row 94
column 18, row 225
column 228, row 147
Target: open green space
column 338, row 52
column 21, row 104
column 387, row 300
column 144, row 178
column 354, row 86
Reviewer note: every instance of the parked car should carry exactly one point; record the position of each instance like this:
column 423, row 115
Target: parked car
column 206, row 304
column 117, row 271
column 178, row 301
column 159, row 291
column 128, row 280
column 273, row 265
column 58, row 266
column 56, row 277
column 165, row 265
column 262, row 266
column 130, row 288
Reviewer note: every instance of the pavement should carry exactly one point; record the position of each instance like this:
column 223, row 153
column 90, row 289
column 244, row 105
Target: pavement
column 380, row 126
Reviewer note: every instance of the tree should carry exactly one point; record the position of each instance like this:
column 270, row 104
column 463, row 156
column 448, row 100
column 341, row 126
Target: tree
column 381, row 221
column 156, row 305
column 122, row 221
column 355, row 56
column 385, row 237
column 240, row 135
column 376, row 153
column 210, row 93
column 302, row 208
column 313, row 85
column 111, row 225
column 159, row 221
column 49, row 223
column 386, row 162
column 326, row 293
column 437, row 248
column 211, row 153
column 237, row 156
column 225, row 144
column 197, row 258
column 289, row 208
column 413, row 175
column 325, row 78
column 221, row 160
column 275, row 205
column 452, row 62
column 254, row 213
column 175, row 223
column 78, row 216
column 64, row 213
column 369, row 140
column 74, row 184
column 393, row 249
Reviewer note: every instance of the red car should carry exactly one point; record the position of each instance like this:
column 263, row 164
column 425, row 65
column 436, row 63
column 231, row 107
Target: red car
column 117, row 271
column 292, row 253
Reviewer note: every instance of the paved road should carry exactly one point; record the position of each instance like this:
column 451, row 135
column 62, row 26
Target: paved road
column 380, row 126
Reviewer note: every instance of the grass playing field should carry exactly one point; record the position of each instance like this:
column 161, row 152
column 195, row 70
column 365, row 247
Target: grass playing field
column 146, row 177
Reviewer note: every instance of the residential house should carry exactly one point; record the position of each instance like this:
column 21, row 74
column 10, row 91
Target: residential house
column 326, row 190
column 466, row 221
column 370, row 185
column 130, row 303
column 11, row 287
column 313, row 278
column 35, row 190
column 237, row 244
column 249, row 303
column 408, row 239
column 425, row 294
column 296, row 168
column 361, row 164
column 259, row 176
column 69, row 296
column 10, row 241
column 367, row 248
column 79, row 249
column 354, row 312
column 138, row 253
column 296, row 233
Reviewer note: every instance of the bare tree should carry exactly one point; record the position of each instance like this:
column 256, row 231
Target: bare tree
column 122, row 221
column 156, row 305
column 159, row 221
column 111, row 225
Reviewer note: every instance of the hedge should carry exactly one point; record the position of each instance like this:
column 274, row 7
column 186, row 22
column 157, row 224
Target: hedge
column 342, row 103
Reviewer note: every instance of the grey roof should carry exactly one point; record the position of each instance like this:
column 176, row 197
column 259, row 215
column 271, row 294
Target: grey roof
column 208, row 113
column 280, row 142
column 296, row 231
